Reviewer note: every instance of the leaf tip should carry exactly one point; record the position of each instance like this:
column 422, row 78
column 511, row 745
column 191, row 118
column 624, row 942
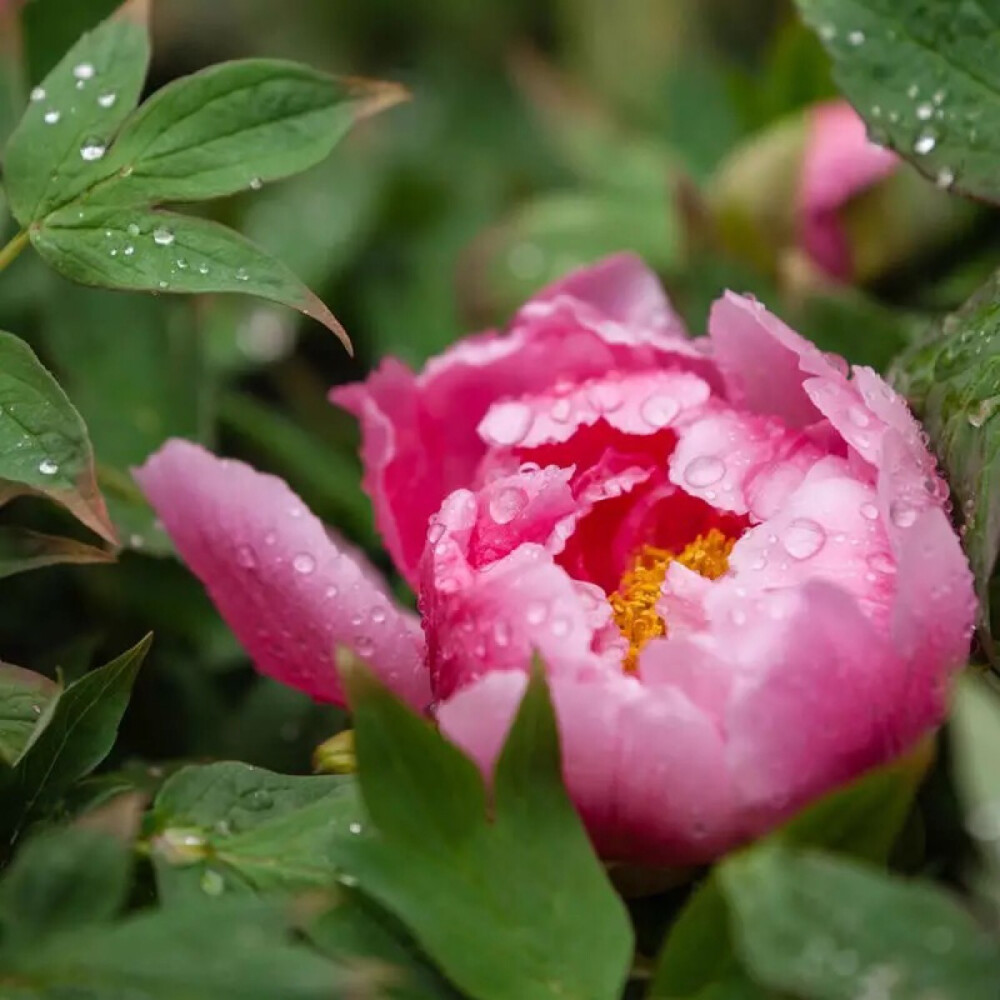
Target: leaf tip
column 375, row 96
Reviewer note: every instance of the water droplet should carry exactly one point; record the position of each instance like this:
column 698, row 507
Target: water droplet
column 509, row 423
column 659, row 409
column 738, row 616
column 706, row 470
column 203, row 268
column 47, row 467
column 925, row 143
column 51, row 117
column 925, row 111
column 242, row 274
column 560, row 627
column 902, row 514
column 537, row 613
column 856, row 38
column 129, row 250
column 827, row 32
column 355, row 828
column 945, row 178
column 84, row 71
column 378, row 614
column 107, row 100
column 38, row 94
column 162, row 284
column 605, row 397
column 212, row 883
column 883, row 563
column 501, row 633
column 859, row 416
column 507, row 504
column 561, row 410
column 256, row 183
column 162, row 236
column 803, row 538
column 869, row 511
column 246, row 557
column 304, row 563
column 912, row 92
column 133, row 229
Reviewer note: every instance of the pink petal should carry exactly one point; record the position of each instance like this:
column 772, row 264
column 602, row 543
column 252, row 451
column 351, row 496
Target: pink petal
column 623, row 290
column 829, row 529
column 290, row 593
column 718, row 457
column 932, row 617
column 839, row 164
column 815, row 706
column 640, row 404
column 763, row 361
column 645, row 767
column 483, row 613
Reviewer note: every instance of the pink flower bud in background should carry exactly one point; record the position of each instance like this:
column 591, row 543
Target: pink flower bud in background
column 839, row 163
column 732, row 554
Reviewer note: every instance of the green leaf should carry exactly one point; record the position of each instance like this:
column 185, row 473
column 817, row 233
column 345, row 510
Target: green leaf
column 62, row 879
column 56, row 151
column 225, row 949
column 50, row 28
column 356, row 931
column 231, row 825
column 513, row 907
column 23, row 697
column 75, row 734
column 141, row 250
column 924, row 75
column 862, row 819
column 232, row 127
column 974, row 734
column 22, row 550
column 43, row 441
column 823, row 928
column 950, row 380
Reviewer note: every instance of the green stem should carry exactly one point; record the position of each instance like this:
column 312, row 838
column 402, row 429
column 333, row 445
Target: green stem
column 10, row 252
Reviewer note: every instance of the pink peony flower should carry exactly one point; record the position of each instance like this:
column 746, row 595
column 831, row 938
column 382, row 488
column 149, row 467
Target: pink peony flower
column 839, row 164
column 734, row 559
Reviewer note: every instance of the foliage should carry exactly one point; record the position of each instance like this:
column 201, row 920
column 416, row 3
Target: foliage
column 160, row 835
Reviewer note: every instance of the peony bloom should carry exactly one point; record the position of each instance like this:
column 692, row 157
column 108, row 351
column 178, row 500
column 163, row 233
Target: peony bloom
column 734, row 559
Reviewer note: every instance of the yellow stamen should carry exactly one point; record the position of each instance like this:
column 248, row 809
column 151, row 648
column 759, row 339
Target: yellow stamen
column 634, row 603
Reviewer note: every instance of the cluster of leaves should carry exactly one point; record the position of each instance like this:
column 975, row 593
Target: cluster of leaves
column 410, row 879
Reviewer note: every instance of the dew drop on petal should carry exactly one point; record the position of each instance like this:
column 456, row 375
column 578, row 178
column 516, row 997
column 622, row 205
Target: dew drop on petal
column 803, row 538
column 537, row 613
column 378, row 614
column 507, row 504
column 902, row 514
column 304, row 564
column 869, row 511
column 706, row 470
column 659, row 409
column 883, row 563
column 246, row 557
column 47, row 467
column 509, row 423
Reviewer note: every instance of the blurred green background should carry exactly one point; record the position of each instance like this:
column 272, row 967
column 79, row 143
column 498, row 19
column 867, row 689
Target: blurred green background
column 541, row 134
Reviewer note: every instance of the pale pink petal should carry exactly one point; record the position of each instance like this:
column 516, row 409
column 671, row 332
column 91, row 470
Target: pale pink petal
column 622, row 290
column 640, row 404
column 764, row 362
column 815, row 703
column 932, row 617
column 839, row 164
column 719, row 455
column 830, row 529
column 288, row 591
column 482, row 615
column 645, row 767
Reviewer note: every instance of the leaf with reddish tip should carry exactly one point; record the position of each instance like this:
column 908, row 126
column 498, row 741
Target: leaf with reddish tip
column 142, row 250
column 44, row 447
